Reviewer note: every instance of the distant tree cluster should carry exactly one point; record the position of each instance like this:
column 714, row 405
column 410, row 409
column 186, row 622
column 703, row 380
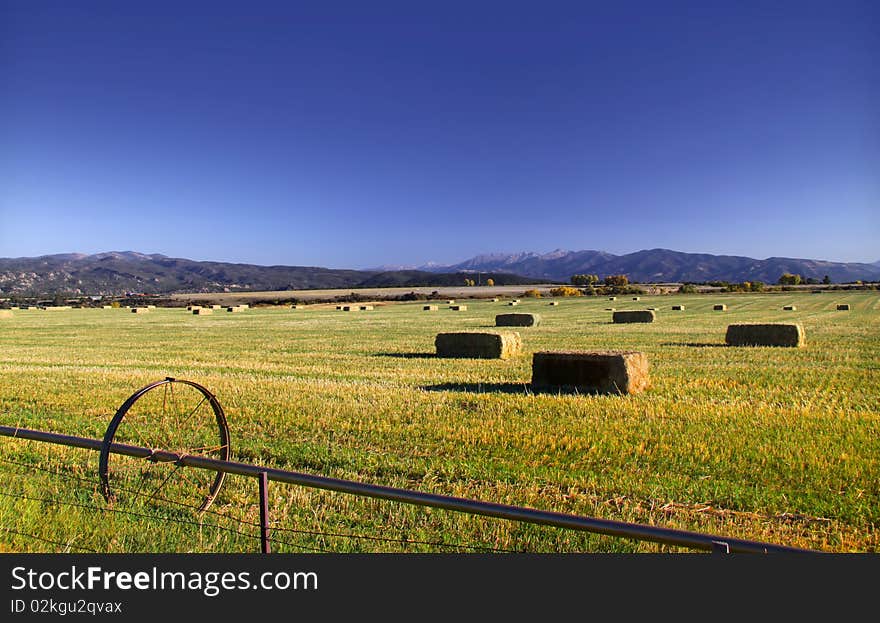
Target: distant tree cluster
column 584, row 280
column 565, row 291
column 619, row 281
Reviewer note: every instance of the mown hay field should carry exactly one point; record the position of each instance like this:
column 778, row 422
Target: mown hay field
column 763, row 443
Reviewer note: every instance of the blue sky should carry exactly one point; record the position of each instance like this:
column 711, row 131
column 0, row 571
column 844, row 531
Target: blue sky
column 354, row 134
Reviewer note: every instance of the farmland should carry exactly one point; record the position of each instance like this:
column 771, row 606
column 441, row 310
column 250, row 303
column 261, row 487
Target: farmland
column 771, row 444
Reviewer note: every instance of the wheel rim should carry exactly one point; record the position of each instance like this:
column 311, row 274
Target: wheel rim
column 174, row 415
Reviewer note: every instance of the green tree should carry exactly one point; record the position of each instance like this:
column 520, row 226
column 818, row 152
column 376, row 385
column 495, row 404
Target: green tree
column 617, row 280
column 584, row 280
column 788, row 279
column 826, row 279
column 490, row 282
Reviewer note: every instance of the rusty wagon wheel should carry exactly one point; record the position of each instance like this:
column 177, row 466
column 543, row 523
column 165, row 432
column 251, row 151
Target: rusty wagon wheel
column 176, row 416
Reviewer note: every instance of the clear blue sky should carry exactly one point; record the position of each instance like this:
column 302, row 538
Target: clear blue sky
column 353, row 134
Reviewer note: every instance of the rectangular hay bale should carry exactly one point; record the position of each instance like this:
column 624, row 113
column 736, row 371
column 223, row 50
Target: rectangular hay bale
column 553, row 303
column 720, row 307
column 517, row 320
column 365, row 307
column 476, row 345
column 430, row 308
column 843, row 307
column 633, row 315
column 458, row 307
column 789, row 308
column 678, row 308
column 202, row 311
column 606, row 372
column 234, row 310
column 513, row 303
column 771, row 334
column 139, row 310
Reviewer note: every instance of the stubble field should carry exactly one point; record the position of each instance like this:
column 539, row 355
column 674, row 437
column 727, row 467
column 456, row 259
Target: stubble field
column 770, row 444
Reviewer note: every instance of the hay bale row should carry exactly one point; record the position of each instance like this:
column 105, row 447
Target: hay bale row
column 607, row 372
column 478, row 345
column 636, row 315
column 517, row 320
column 772, row 334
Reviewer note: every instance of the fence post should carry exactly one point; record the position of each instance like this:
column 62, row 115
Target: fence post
column 264, row 512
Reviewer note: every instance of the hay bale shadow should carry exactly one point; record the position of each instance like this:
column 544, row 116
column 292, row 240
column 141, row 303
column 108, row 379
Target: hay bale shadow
column 696, row 344
column 407, row 355
column 480, row 388
column 523, row 389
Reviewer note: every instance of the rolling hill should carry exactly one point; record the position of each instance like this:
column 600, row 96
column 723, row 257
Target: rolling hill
column 116, row 273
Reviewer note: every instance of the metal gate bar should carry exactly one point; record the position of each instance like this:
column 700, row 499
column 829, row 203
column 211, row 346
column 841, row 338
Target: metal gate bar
column 668, row 536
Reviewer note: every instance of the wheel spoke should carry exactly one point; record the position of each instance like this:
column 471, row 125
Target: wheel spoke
column 165, row 422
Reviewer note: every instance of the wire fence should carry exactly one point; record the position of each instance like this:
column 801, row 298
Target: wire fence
column 242, row 528
column 247, row 529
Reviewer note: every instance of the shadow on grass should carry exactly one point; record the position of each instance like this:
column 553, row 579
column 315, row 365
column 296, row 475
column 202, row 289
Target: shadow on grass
column 481, row 388
column 696, row 344
column 407, row 355
column 525, row 389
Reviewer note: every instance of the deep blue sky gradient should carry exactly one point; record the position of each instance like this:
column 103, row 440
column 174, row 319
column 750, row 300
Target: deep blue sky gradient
column 354, row 134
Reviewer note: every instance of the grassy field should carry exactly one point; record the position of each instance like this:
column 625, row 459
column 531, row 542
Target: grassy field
column 772, row 444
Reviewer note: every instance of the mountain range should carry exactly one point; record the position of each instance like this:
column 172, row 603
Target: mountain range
column 120, row 272
column 662, row 266
column 116, row 273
